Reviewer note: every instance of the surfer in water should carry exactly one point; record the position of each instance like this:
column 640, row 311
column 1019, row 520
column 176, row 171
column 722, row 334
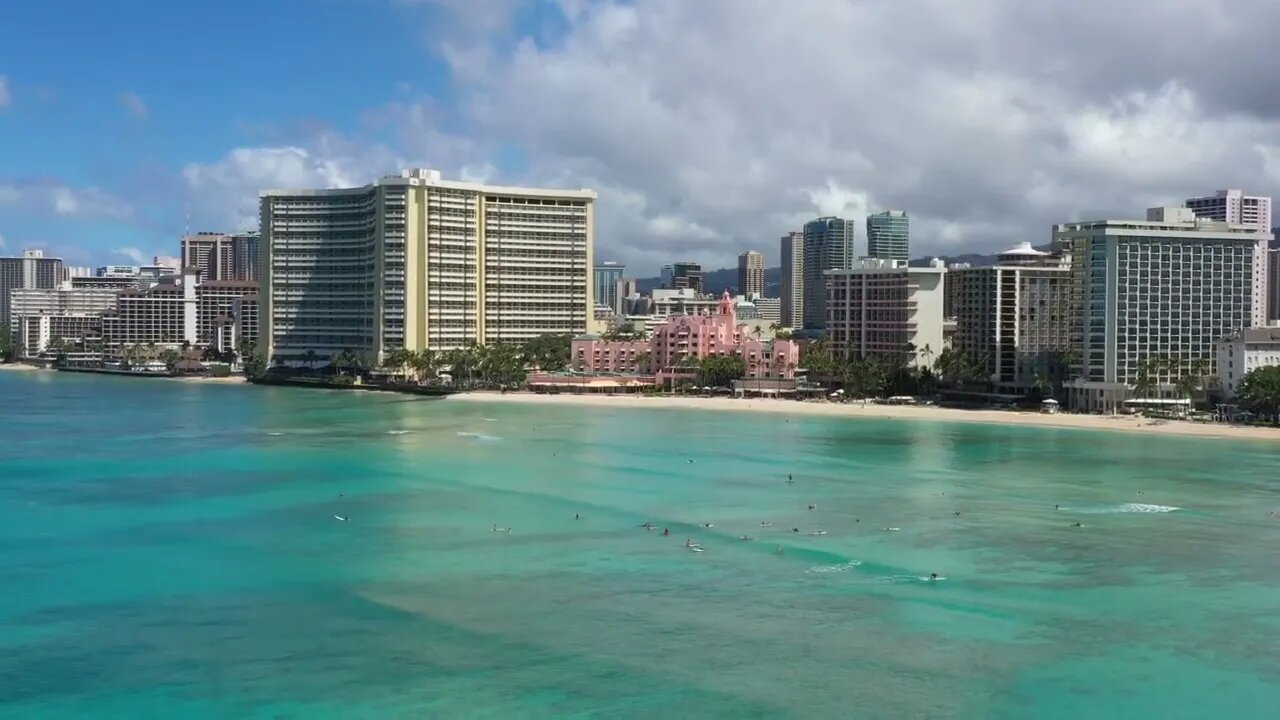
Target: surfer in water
column 666, row 532
column 933, row 577
column 1077, row 525
column 577, row 516
column 789, row 480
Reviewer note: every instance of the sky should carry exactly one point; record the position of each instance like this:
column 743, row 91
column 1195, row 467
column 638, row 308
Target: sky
column 708, row 128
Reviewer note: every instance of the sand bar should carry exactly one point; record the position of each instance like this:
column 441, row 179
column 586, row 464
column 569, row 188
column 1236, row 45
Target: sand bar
column 1122, row 423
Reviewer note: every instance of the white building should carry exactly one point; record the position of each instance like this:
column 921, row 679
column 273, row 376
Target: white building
column 422, row 263
column 1018, row 316
column 214, row 300
column 768, row 308
column 31, row 271
column 751, row 273
column 1243, row 351
column 1235, row 208
column 885, row 309
column 1168, row 287
column 1273, row 285
column 35, row 333
column 163, row 314
column 58, row 301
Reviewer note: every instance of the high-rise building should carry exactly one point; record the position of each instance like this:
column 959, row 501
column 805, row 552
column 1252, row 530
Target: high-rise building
column 163, row 314
column 885, row 309
column 681, row 275
column 751, row 273
column 1235, row 208
column 214, row 300
column 58, row 301
column 32, row 271
column 246, row 256
column 828, row 245
column 889, row 235
column 211, row 253
column 1016, row 317
column 605, row 283
column 1273, row 278
column 623, row 289
column 1165, row 289
column 419, row 262
column 792, row 253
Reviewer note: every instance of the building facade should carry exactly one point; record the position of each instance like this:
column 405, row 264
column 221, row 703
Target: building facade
column 605, row 284
column 750, row 273
column 1167, row 288
column 1234, row 208
column 889, row 235
column 770, row 309
column 418, row 262
column 1246, row 350
column 31, row 271
column 792, row 253
column 1017, row 317
column 163, row 314
column 222, row 257
column 885, row 309
column 828, row 245
column 214, row 301
column 1273, row 284
column 37, row 334
column 682, row 276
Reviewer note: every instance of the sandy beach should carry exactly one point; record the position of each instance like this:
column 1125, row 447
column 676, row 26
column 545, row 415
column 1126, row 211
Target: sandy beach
column 18, row 367
column 1121, row 423
column 229, row 380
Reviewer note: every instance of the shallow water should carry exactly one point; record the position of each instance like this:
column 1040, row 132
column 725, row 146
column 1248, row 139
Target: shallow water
column 170, row 550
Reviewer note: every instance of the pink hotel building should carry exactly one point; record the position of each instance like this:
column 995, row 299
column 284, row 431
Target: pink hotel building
column 685, row 337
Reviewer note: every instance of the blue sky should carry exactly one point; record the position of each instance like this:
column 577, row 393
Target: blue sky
column 707, row 127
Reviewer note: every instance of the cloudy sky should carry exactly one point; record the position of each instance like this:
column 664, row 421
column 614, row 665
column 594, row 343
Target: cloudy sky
column 707, row 126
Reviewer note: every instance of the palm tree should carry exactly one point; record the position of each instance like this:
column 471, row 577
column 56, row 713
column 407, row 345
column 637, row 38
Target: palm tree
column 310, row 358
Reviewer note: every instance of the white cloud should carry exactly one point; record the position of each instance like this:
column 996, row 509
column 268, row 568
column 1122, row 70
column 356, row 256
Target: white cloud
column 709, row 127
column 6, row 99
column 134, row 104
column 61, row 200
column 2, row 243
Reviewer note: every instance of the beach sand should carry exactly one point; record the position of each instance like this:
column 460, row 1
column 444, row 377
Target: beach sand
column 19, row 366
column 1122, row 423
column 229, row 380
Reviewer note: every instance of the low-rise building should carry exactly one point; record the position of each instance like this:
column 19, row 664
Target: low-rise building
column 1243, row 351
column 886, row 309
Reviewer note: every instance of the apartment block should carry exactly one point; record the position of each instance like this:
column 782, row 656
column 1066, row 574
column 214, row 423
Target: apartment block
column 889, row 235
column 58, row 301
column 605, row 279
column 163, row 314
column 1168, row 287
column 1244, row 351
column 214, row 300
column 1017, row 317
column 31, row 271
column 791, row 250
column 1234, row 208
column 751, row 273
column 885, row 309
column 828, row 245
column 419, row 262
column 37, row 333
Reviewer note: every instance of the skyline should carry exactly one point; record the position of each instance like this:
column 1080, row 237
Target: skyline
column 108, row 152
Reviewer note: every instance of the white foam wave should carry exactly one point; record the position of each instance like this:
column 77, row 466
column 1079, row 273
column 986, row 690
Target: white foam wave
column 837, row 568
column 910, row 579
column 491, row 419
column 1130, row 508
column 397, row 432
column 275, row 434
column 479, row 436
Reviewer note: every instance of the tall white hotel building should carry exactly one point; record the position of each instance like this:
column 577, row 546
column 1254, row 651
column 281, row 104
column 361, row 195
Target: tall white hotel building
column 1170, row 286
column 419, row 262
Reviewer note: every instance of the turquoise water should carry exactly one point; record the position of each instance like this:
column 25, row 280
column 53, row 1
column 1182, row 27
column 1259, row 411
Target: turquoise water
column 170, row 550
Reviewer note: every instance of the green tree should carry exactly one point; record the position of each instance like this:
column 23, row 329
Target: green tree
column 6, row 344
column 310, row 358
column 397, row 361
column 347, row 360
column 552, row 352
column 424, row 363
column 722, row 370
column 169, row 357
column 1259, row 391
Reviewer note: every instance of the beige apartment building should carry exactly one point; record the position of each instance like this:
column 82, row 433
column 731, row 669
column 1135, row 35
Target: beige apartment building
column 885, row 309
column 420, row 262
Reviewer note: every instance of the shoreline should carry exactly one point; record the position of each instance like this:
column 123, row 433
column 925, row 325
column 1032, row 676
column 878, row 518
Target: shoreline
column 1122, row 423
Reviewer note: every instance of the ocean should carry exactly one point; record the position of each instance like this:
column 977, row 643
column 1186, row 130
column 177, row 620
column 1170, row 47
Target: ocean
column 174, row 550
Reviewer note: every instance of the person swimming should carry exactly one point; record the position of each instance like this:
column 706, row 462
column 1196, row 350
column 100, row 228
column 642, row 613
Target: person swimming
column 1077, row 525
column 576, row 516
column 766, row 523
column 707, row 525
column 666, row 532
column 789, row 480
column 1055, row 506
column 795, row 530
column 813, row 506
column 933, row 577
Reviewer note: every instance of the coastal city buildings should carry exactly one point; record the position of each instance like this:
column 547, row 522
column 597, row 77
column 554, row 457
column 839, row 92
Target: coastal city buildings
column 1167, row 288
column 1016, row 317
column 221, row 256
column 31, row 271
column 36, row 334
column 163, row 314
column 419, row 262
column 889, row 235
column 214, row 300
column 792, row 253
column 885, row 309
column 751, row 273
column 828, row 245
column 674, row 349
column 1273, row 281
column 605, row 277
column 58, row 301
column 1235, row 208
column 1245, row 350
column 681, row 276
column 769, row 309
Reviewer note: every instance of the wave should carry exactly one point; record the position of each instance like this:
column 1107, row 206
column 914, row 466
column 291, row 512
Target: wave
column 275, row 434
column 895, row 579
column 838, row 568
column 1130, row 508
column 480, row 436
column 397, row 432
column 491, row 419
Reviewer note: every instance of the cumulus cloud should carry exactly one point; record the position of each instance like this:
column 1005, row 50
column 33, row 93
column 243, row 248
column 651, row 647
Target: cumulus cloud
column 54, row 198
column 137, row 256
column 6, row 99
column 2, row 243
column 134, row 104
column 716, row 126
